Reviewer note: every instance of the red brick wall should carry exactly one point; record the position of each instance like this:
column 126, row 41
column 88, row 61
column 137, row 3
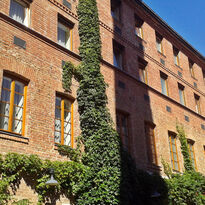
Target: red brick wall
column 41, row 64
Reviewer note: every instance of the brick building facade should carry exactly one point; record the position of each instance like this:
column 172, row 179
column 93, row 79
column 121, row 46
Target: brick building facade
column 155, row 79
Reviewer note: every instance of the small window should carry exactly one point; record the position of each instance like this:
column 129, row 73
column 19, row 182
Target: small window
column 176, row 56
column 191, row 68
column 173, row 151
column 151, row 145
column 204, row 150
column 142, row 70
column 203, row 73
column 159, row 39
column 138, row 27
column 118, row 55
column 122, row 128
column 181, row 94
column 164, row 85
column 192, row 153
column 65, row 33
column 197, row 103
column 19, row 11
column 13, row 105
column 63, row 121
column 115, row 9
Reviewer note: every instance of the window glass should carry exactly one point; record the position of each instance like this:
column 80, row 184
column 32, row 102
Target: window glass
column 164, row 85
column 118, row 55
column 181, row 94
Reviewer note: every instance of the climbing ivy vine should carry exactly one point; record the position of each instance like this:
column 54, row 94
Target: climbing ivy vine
column 94, row 175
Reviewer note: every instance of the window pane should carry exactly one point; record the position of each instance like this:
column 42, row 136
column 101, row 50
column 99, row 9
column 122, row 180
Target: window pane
column 58, row 101
column 67, row 105
column 176, row 166
column 6, row 83
column 61, row 37
column 57, row 125
column 17, row 11
column 57, row 137
column 67, row 139
column 17, row 126
column 4, row 122
column 5, row 95
column 4, row 109
column 163, row 84
column 19, row 87
column 18, row 100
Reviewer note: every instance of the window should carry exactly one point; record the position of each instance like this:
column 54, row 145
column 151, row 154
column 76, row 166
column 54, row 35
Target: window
column 118, row 55
column 173, row 151
column 204, row 150
column 181, row 94
column 191, row 153
column 122, row 128
column 13, row 105
column 203, row 73
column 138, row 27
column 115, row 9
column 159, row 43
column 142, row 70
column 19, row 11
column 65, row 32
column 191, row 68
column 63, row 121
column 163, row 78
column 151, row 145
column 197, row 103
column 176, row 56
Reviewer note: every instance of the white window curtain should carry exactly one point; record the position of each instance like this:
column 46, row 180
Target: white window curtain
column 17, row 11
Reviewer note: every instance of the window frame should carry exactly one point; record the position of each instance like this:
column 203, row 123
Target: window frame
column 11, row 103
column 25, row 4
column 151, row 143
column 164, row 77
column 62, row 110
column 64, row 24
column 174, row 137
column 181, row 94
column 193, row 160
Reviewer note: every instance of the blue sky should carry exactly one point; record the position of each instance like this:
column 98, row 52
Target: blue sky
column 186, row 17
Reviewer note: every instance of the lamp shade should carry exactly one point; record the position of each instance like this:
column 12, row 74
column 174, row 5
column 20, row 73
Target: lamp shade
column 51, row 181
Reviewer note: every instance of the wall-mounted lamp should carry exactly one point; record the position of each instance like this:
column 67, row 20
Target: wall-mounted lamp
column 155, row 194
column 51, row 181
